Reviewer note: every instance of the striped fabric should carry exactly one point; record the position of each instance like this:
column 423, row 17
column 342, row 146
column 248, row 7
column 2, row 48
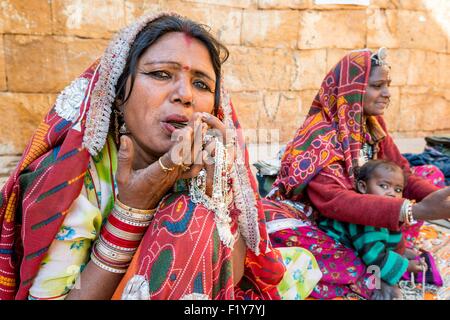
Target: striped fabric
column 37, row 196
column 375, row 246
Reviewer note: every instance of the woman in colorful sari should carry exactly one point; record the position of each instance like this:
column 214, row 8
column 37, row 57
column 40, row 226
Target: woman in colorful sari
column 113, row 166
column 343, row 129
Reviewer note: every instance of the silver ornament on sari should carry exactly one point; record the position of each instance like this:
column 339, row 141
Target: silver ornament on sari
column 221, row 196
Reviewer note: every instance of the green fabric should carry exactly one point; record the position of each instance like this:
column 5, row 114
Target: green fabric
column 374, row 245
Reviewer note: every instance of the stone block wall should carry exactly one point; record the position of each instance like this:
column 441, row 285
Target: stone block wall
column 280, row 52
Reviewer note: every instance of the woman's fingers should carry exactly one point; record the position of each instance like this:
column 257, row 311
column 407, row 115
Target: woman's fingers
column 194, row 170
column 181, row 151
column 218, row 126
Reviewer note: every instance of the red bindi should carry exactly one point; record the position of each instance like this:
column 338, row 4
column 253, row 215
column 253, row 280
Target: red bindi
column 188, row 39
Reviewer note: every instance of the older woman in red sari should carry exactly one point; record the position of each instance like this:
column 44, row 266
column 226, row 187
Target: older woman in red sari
column 122, row 161
column 343, row 129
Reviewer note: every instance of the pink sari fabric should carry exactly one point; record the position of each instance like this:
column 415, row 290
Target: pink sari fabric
column 431, row 173
column 344, row 274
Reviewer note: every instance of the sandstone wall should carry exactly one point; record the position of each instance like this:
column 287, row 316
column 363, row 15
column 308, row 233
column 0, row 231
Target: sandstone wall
column 280, row 51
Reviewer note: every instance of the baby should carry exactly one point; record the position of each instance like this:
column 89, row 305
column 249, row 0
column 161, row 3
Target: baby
column 378, row 246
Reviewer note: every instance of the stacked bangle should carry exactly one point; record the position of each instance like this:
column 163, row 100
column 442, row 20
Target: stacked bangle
column 406, row 214
column 120, row 237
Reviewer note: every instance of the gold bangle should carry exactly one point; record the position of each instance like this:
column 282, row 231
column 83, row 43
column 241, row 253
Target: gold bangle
column 119, row 257
column 136, row 220
column 163, row 167
column 133, row 210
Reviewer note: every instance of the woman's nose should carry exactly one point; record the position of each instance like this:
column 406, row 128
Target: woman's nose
column 386, row 92
column 183, row 92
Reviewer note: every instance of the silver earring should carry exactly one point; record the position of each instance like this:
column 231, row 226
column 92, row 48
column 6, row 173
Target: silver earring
column 123, row 129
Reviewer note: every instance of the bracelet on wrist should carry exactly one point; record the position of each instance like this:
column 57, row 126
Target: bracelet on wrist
column 406, row 214
column 133, row 210
column 120, row 237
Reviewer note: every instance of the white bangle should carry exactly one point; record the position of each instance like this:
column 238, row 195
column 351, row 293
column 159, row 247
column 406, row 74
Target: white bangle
column 406, row 215
column 105, row 267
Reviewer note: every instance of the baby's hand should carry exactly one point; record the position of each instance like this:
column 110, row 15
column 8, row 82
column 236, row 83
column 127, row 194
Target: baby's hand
column 417, row 266
column 411, row 254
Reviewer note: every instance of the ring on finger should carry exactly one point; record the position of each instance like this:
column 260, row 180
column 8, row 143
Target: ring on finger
column 163, row 167
column 184, row 167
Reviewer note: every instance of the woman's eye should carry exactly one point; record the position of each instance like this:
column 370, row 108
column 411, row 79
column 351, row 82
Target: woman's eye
column 163, row 75
column 201, row 85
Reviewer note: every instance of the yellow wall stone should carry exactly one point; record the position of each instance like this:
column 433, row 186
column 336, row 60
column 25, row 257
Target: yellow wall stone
column 332, row 29
column 86, row 18
column 225, row 22
column 284, row 4
column 280, row 52
column 28, row 17
column 21, row 114
column 47, row 64
column 229, row 3
column 311, row 67
column 271, row 28
column 423, row 109
column 2, row 66
column 243, row 71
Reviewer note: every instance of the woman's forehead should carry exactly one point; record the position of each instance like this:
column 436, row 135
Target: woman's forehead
column 178, row 47
column 379, row 73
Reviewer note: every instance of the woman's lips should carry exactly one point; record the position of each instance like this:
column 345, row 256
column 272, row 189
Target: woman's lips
column 174, row 122
column 176, row 118
column 168, row 128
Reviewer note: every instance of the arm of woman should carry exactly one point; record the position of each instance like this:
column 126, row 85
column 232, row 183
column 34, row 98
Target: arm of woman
column 335, row 201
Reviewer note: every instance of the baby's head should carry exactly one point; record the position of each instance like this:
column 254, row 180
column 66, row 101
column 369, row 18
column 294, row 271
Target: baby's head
column 380, row 177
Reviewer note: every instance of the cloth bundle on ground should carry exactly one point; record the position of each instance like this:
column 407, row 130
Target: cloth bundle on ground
column 437, row 154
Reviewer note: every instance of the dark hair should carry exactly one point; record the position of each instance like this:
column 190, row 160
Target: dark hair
column 365, row 172
column 156, row 29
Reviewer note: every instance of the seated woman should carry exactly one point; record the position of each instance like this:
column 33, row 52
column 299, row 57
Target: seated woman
column 343, row 129
column 107, row 168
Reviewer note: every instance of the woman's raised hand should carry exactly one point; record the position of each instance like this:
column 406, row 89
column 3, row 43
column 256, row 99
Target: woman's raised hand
column 144, row 188
column 434, row 206
column 226, row 137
